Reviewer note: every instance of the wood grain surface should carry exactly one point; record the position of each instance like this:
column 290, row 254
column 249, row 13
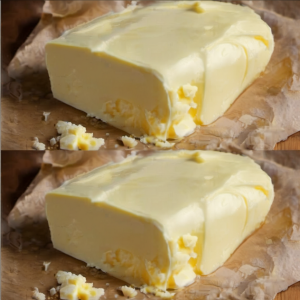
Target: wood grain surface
column 292, row 293
column 292, row 143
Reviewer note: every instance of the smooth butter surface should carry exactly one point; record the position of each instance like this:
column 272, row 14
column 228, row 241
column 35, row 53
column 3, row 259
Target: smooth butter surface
column 160, row 70
column 161, row 219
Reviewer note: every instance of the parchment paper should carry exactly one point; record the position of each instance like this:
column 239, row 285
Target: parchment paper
column 266, row 113
column 265, row 264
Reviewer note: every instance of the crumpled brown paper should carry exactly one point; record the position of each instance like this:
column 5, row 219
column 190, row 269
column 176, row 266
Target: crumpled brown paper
column 266, row 113
column 265, row 264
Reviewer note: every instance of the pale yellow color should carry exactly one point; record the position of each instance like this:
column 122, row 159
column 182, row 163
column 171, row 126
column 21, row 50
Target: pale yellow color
column 37, row 295
column 129, row 141
column 157, row 142
column 128, row 291
column 74, row 137
column 52, row 291
column 160, row 70
column 74, row 287
column 37, row 145
column 157, row 292
column 165, row 144
column 161, row 219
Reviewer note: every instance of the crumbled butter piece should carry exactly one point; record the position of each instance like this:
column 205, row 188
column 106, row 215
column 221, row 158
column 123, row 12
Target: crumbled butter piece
column 189, row 241
column 53, row 141
column 129, row 142
column 164, row 295
column 165, row 144
column 37, row 145
column 52, row 291
column 46, row 115
column 157, row 292
column 46, row 265
column 37, row 295
column 74, row 287
column 157, row 142
column 74, row 137
column 128, row 292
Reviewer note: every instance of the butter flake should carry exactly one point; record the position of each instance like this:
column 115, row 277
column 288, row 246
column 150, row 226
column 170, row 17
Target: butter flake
column 46, row 265
column 128, row 292
column 74, row 137
column 129, row 141
column 37, row 295
column 37, row 145
column 75, row 286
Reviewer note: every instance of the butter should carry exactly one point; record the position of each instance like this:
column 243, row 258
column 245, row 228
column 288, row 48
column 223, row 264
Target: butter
column 128, row 291
column 129, row 141
column 37, row 295
column 162, row 69
column 74, row 287
column 160, row 220
column 161, row 294
column 74, row 137
column 37, row 145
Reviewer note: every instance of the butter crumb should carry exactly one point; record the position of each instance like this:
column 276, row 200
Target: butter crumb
column 165, row 144
column 46, row 265
column 116, row 145
column 52, row 291
column 128, row 292
column 53, row 141
column 189, row 241
column 116, row 295
column 148, row 139
column 37, row 145
column 158, row 143
column 157, row 292
column 129, row 142
column 189, row 91
column 74, row 137
column 37, row 295
column 75, row 286
column 269, row 242
column 164, row 295
column 46, row 115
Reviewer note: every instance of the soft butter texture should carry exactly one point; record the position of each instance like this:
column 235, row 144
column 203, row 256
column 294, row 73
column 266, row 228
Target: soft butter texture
column 75, row 287
column 162, row 69
column 161, row 219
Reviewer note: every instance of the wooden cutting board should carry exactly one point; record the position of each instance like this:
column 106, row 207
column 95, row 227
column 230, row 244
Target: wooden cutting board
column 292, row 143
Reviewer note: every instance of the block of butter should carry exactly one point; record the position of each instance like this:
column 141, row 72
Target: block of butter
column 161, row 219
column 162, row 69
